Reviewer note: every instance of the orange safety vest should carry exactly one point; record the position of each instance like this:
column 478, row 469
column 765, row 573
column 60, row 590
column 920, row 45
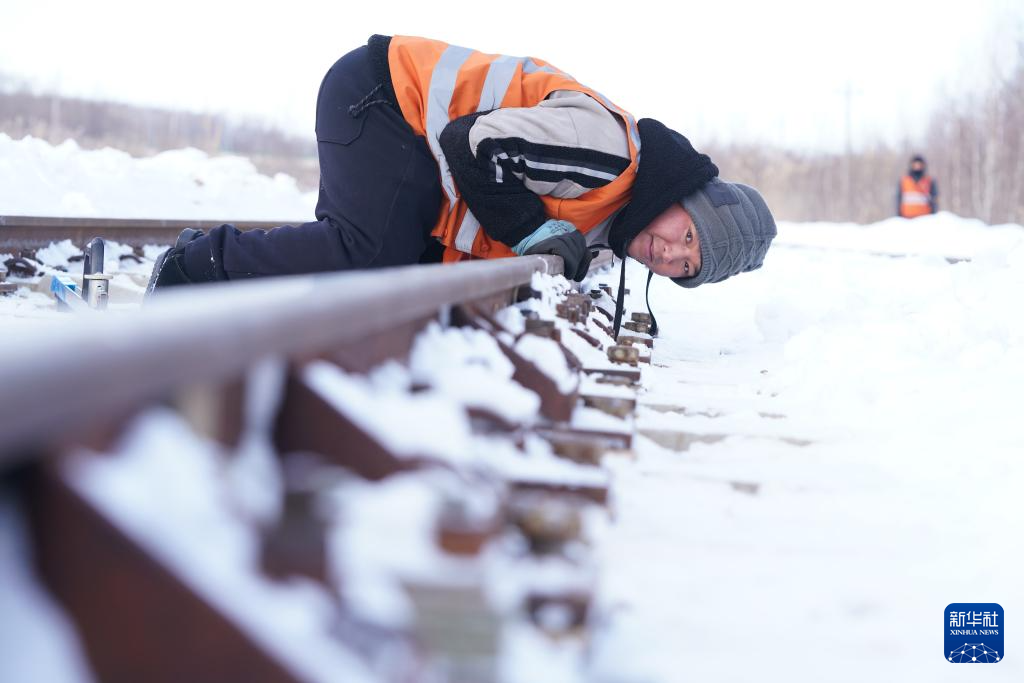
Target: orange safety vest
column 435, row 83
column 915, row 196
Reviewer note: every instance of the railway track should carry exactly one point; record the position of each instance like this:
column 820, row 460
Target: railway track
column 225, row 483
column 33, row 232
column 22, row 236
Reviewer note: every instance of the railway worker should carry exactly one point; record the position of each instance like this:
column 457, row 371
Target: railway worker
column 917, row 194
column 431, row 152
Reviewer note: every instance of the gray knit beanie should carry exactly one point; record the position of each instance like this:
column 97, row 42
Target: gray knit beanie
column 735, row 228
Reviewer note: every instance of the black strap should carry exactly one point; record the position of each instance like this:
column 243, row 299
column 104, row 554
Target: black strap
column 620, row 302
column 620, row 299
column 647, row 296
column 362, row 105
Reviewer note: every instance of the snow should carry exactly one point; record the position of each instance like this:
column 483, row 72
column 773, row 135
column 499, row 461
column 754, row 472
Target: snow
column 551, row 289
column 467, row 365
column 252, row 475
column 538, row 463
column 590, row 356
column 529, row 655
column 377, row 401
column 943, row 234
column 587, row 418
column 401, row 509
column 547, row 355
column 39, row 179
column 511, row 319
column 57, row 256
column 380, row 404
column 161, row 465
column 589, row 386
column 30, row 309
column 384, row 543
column 906, row 373
column 863, row 390
column 32, row 305
column 58, row 253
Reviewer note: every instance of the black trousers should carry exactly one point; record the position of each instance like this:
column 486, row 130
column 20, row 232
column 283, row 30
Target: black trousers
column 380, row 193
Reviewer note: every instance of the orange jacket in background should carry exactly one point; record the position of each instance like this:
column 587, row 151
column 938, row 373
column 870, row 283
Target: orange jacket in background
column 436, row 83
column 915, row 196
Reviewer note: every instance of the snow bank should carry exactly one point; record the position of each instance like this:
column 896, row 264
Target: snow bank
column 905, row 374
column 39, row 179
column 941, row 234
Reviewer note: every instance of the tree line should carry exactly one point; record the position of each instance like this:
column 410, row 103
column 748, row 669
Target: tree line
column 974, row 148
column 143, row 131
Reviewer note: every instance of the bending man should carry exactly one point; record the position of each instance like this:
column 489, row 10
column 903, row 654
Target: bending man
column 432, row 152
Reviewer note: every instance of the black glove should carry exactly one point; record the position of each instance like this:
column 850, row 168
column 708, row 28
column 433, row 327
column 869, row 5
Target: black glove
column 169, row 269
column 564, row 240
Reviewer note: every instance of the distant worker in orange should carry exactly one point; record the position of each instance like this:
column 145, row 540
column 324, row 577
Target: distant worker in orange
column 917, row 194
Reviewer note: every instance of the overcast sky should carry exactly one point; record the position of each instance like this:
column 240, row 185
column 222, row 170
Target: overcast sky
column 748, row 69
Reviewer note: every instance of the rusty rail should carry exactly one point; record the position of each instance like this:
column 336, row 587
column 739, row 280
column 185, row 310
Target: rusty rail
column 33, row 232
column 195, row 349
column 215, row 332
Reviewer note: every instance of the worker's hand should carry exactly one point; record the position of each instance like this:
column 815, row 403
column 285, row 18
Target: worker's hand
column 560, row 238
column 169, row 269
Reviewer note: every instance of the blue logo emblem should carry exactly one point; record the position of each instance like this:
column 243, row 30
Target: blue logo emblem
column 974, row 633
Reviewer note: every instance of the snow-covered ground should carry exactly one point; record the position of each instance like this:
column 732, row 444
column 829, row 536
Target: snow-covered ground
column 862, row 454
column 753, row 558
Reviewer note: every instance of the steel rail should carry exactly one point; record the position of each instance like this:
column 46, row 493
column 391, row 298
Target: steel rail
column 57, row 380
column 33, row 232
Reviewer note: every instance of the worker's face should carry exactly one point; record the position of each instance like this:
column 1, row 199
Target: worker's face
column 669, row 245
column 917, row 167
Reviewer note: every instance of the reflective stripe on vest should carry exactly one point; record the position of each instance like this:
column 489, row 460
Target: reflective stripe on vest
column 442, row 87
column 436, row 83
column 499, row 76
column 468, row 229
